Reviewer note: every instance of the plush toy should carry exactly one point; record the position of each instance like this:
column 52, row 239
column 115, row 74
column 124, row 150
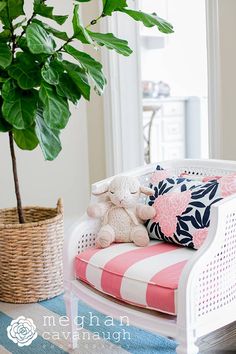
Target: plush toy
column 121, row 213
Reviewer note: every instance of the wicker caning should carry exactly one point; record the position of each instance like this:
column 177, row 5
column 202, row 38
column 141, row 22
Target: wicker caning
column 31, row 254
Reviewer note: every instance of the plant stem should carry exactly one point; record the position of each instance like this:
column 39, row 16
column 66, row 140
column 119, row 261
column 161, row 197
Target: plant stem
column 93, row 22
column 27, row 24
column 11, row 143
column 67, row 42
column 16, row 181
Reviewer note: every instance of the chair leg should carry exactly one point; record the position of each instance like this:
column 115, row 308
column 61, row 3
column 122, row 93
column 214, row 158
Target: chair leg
column 71, row 303
column 186, row 344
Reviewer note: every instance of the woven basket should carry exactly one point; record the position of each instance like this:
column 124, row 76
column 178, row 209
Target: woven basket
column 31, row 254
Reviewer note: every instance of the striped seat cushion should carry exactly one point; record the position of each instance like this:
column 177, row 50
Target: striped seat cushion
column 146, row 277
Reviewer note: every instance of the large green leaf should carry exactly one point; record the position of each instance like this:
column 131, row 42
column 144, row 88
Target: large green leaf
column 67, row 88
column 9, row 10
column 4, row 125
column 40, row 8
column 2, row 79
column 50, row 73
column 79, row 31
column 5, row 35
column 90, row 65
column 81, row 81
column 22, row 44
column 8, row 90
column 111, row 42
column 4, row 16
column 26, row 139
column 56, row 110
column 110, row 6
column 5, row 55
column 25, row 71
column 49, row 139
column 149, row 20
column 39, row 58
column 55, row 32
column 79, row 77
column 15, row 8
column 19, row 106
column 39, row 40
column 3, row 76
column 2, row 5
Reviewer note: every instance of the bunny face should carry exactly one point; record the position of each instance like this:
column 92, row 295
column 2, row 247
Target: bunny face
column 124, row 191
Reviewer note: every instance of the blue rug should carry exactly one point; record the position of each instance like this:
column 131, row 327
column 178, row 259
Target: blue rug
column 99, row 334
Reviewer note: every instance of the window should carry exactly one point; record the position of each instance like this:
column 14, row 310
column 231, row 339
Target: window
column 174, row 82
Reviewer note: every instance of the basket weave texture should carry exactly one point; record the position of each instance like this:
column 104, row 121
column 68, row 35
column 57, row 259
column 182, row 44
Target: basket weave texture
column 31, row 254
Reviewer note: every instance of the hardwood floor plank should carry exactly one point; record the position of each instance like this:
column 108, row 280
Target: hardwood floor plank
column 222, row 341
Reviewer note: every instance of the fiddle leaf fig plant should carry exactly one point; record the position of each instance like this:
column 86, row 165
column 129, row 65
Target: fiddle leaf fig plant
column 42, row 70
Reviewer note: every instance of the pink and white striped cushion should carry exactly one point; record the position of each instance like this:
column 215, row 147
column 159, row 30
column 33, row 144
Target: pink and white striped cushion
column 146, row 277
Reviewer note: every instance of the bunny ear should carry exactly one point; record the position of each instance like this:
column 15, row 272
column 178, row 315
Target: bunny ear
column 146, row 190
column 101, row 190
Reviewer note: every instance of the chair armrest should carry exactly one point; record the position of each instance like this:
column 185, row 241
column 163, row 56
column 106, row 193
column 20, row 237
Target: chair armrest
column 208, row 281
column 80, row 236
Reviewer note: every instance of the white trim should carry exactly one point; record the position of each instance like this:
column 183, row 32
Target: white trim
column 122, row 100
column 112, row 106
column 214, row 82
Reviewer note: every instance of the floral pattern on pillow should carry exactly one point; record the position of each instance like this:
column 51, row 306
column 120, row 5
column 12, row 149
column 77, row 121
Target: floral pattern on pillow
column 159, row 175
column 199, row 237
column 168, row 207
column 228, row 185
column 183, row 207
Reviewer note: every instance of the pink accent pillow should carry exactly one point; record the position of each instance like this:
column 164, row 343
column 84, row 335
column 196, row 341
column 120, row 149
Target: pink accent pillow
column 183, row 206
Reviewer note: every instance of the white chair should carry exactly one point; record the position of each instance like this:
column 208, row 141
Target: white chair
column 207, row 287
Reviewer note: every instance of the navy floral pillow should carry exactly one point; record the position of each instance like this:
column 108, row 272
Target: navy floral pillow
column 183, row 206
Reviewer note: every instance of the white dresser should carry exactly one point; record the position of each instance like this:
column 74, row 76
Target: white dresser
column 167, row 134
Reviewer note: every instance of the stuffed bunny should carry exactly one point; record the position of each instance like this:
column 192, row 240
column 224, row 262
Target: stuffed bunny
column 122, row 216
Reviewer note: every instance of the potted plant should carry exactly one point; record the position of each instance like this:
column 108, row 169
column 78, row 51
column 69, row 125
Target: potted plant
column 37, row 81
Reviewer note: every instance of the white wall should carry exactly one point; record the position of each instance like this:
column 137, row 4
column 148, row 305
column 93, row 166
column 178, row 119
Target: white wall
column 43, row 182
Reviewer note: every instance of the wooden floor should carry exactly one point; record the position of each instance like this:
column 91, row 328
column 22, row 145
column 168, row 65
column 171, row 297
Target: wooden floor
column 219, row 342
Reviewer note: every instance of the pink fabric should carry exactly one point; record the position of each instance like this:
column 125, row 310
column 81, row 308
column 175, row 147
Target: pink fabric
column 185, row 175
column 115, row 269
column 163, row 295
column 83, row 260
column 168, row 207
column 210, row 178
column 159, row 175
column 119, row 278
column 227, row 185
column 199, row 237
column 169, row 276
